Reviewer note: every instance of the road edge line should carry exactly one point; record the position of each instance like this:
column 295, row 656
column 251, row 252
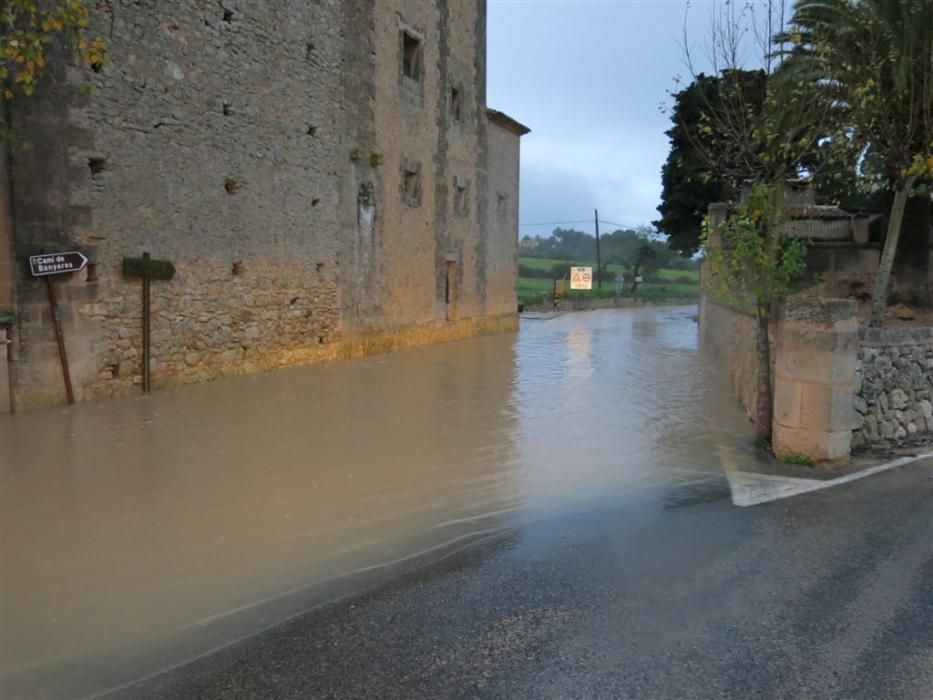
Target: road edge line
column 819, row 485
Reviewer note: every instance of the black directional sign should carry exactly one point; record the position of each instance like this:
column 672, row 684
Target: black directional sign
column 147, row 267
column 56, row 263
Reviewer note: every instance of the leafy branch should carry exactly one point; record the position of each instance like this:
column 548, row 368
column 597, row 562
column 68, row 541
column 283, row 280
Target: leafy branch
column 32, row 29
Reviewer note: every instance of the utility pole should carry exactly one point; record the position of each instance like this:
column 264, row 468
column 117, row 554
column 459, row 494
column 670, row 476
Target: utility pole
column 599, row 277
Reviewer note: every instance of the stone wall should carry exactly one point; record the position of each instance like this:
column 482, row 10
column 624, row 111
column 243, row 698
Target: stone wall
column 894, row 397
column 501, row 245
column 226, row 167
column 814, row 344
column 814, row 378
column 730, row 334
column 607, row 303
column 266, row 150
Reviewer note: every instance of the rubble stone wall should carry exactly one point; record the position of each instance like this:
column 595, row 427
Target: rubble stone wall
column 894, row 386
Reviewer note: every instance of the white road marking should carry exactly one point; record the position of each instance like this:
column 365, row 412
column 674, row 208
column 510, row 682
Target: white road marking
column 749, row 489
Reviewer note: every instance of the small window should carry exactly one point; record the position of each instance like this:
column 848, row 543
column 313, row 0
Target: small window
column 456, row 105
column 411, row 187
column 411, row 56
column 461, row 196
column 411, row 182
column 502, row 203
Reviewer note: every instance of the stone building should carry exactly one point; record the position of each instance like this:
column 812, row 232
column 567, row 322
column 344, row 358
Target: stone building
column 324, row 176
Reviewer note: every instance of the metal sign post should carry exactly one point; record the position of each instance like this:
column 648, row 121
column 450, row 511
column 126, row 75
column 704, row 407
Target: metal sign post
column 558, row 293
column 60, row 337
column 148, row 269
column 46, row 265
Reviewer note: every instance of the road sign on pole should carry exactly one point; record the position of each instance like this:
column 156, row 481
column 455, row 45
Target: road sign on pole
column 581, row 277
column 148, row 269
column 56, row 263
column 46, row 265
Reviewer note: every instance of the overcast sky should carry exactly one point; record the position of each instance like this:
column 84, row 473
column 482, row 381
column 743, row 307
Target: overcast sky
column 588, row 77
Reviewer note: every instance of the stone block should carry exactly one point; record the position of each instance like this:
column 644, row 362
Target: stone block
column 821, row 312
column 787, row 402
column 899, row 399
column 827, row 408
column 818, row 445
column 803, row 364
column 871, row 429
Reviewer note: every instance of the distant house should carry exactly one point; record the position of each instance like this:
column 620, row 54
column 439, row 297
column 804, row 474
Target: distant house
column 528, row 243
column 819, row 222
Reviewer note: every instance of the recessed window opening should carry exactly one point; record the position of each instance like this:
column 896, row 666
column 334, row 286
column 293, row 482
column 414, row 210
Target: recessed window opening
column 456, row 105
column 461, row 196
column 502, row 203
column 411, row 56
column 411, row 186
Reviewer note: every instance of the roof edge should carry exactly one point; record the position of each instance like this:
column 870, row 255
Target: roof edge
column 505, row 121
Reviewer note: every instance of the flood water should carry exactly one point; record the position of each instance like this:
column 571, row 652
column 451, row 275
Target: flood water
column 139, row 533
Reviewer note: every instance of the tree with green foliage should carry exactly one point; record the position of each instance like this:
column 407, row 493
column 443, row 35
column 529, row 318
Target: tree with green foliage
column 748, row 262
column 758, row 137
column 688, row 185
column 874, row 58
column 32, row 33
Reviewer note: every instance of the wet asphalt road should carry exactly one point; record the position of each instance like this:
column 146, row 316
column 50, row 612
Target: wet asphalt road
column 826, row 595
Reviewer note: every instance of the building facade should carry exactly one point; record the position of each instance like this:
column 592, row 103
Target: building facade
column 324, row 176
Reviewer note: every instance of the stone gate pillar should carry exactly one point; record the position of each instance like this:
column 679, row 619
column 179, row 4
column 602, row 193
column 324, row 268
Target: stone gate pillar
column 814, row 378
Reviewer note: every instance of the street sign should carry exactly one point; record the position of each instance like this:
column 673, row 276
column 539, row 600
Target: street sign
column 149, row 270
column 56, row 263
column 147, row 267
column 581, row 277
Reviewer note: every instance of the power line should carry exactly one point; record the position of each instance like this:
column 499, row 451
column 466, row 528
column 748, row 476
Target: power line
column 582, row 221
column 628, row 227
column 558, row 223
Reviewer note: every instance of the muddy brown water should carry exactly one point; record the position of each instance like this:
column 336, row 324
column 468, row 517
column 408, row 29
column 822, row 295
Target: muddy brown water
column 140, row 533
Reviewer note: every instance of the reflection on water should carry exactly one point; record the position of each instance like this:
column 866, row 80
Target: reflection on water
column 137, row 533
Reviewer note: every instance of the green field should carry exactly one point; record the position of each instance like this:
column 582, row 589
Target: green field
column 537, row 290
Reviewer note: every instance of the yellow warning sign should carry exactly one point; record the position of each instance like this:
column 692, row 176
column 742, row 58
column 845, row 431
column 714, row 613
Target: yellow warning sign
column 581, row 277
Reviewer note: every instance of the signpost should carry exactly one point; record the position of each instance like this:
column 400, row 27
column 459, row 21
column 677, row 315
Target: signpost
column 148, row 269
column 56, row 263
column 581, row 277
column 47, row 265
column 558, row 293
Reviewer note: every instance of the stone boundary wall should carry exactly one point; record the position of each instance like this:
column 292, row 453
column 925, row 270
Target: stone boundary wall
column 730, row 333
column 814, row 378
column 608, row 303
column 894, row 385
column 813, row 355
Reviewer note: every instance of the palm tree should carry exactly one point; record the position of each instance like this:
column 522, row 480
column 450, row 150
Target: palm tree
column 875, row 57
